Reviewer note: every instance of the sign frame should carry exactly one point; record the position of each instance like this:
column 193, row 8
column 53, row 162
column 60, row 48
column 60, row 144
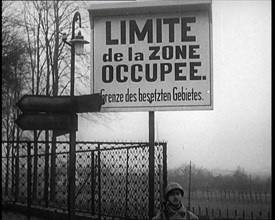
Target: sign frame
column 130, row 9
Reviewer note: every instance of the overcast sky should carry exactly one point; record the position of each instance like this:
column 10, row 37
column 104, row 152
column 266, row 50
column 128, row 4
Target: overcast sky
column 237, row 132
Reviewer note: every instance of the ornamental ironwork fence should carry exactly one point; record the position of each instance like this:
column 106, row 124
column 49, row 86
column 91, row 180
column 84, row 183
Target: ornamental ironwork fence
column 112, row 179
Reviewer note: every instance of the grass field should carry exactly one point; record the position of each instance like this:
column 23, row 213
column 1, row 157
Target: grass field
column 231, row 207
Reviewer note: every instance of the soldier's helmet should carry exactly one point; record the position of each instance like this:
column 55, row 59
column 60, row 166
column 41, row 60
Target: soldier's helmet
column 171, row 186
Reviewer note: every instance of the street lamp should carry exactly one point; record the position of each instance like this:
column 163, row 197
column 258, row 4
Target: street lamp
column 79, row 42
column 76, row 44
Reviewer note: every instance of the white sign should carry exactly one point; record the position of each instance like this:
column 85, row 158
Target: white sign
column 153, row 62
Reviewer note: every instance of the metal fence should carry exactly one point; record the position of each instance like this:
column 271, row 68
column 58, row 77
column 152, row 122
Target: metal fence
column 112, row 179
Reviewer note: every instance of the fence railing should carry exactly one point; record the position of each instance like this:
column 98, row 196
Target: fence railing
column 111, row 178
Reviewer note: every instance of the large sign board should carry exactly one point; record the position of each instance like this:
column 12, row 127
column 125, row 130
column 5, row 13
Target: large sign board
column 152, row 56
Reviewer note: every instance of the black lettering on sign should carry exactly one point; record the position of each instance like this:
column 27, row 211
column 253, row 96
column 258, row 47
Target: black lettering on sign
column 119, row 73
column 185, row 29
column 171, row 23
column 109, row 40
column 193, row 70
column 153, row 55
column 179, row 71
column 192, row 52
column 108, row 57
column 174, row 52
column 154, row 29
column 147, row 30
column 107, row 74
column 134, row 78
column 151, row 72
column 151, row 77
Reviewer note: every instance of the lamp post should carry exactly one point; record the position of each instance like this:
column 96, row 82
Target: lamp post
column 76, row 45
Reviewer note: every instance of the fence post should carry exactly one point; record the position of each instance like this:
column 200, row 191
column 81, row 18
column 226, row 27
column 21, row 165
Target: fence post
column 29, row 180
column 16, row 173
column 7, row 169
column 247, row 197
column 53, row 171
column 199, row 210
column 260, row 214
column 12, row 170
column 251, row 196
column 46, row 171
column 164, row 166
column 126, row 191
column 35, row 161
column 242, row 196
column 151, row 163
column 99, row 182
column 189, row 189
column 92, row 182
column 260, row 194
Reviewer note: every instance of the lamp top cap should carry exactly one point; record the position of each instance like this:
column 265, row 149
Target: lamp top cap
column 79, row 39
column 79, row 35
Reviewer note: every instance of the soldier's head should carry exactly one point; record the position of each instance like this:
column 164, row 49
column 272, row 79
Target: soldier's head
column 174, row 193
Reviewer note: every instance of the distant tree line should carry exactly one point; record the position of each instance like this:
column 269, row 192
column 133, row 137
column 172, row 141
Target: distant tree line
column 204, row 180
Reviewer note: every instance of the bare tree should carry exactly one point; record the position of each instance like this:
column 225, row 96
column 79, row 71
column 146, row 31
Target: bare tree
column 13, row 78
